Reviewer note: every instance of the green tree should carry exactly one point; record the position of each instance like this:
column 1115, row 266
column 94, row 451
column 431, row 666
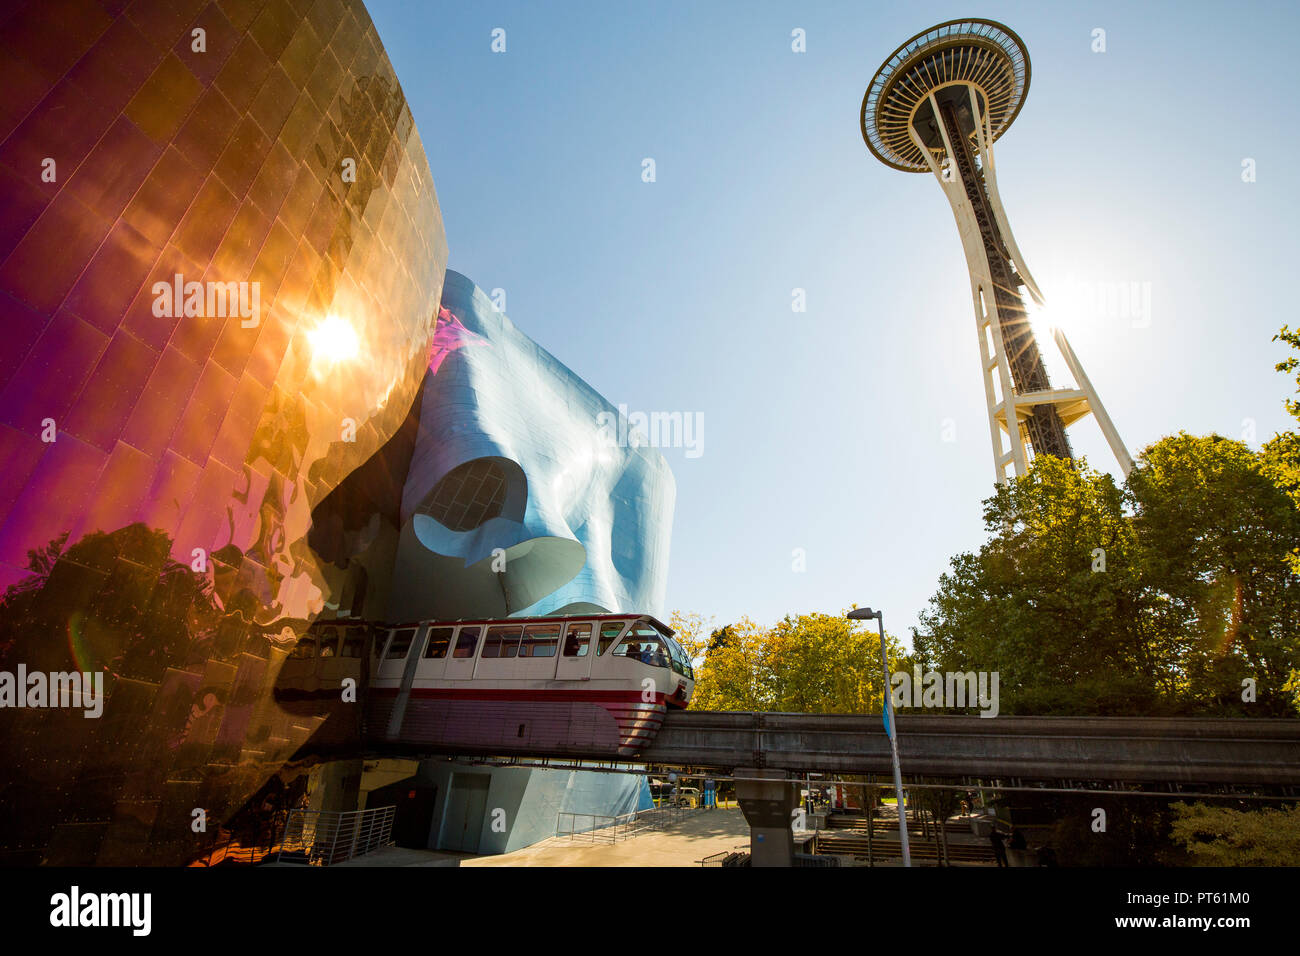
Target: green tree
column 1051, row 601
column 1159, row 597
column 1223, row 836
column 733, row 675
column 939, row 804
column 1281, row 462
column 1136, row 829
column 810, row 663
column 1214, row 534
column 827, row 664
column 1281, row 455
column 691, row 630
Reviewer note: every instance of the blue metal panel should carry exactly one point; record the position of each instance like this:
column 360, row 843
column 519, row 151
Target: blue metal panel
column 586, row 517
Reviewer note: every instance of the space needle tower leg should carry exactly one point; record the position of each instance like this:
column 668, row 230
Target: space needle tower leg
column 938, row 103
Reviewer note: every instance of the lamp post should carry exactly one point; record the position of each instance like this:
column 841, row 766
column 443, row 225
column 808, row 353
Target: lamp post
column 866, row 614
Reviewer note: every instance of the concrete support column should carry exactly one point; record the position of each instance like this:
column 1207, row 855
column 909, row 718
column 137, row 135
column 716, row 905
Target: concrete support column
column 336, row 786
column 767, row 797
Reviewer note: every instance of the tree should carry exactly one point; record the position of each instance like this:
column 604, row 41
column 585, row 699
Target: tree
column 940, row 804
column 1136, row 831
column 1050, row 602
column 688, row 630
column 822, row 663
column 732, row 676
column 810, row 663
column 1223, row 836
column 1281, row 462
column 1281, row 455
column 1159, row 597
column 1214, row 534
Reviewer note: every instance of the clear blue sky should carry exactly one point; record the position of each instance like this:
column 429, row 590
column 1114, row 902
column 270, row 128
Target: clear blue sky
column 824, row 430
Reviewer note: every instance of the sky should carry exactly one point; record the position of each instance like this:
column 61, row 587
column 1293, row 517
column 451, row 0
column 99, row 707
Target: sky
column 844, row 450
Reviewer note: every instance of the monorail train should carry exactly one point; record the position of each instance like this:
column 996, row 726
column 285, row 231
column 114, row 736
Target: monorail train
column 581, row 685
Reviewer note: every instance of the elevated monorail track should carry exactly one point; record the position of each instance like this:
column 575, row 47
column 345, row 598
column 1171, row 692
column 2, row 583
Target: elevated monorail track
column 1113, row 753
column 1117, row 750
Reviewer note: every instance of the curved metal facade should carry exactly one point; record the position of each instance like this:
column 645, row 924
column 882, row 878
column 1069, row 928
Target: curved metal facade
column 524, row 495
column 163, row 449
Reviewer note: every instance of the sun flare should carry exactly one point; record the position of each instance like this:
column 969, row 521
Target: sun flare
column 334, row 341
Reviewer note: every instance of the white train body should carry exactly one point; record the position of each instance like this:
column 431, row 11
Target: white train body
column 589, row 684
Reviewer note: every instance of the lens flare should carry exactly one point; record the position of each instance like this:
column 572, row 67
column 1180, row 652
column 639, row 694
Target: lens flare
column 333, row 341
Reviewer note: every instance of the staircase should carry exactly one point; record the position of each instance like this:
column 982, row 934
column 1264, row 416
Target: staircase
column 846, row 835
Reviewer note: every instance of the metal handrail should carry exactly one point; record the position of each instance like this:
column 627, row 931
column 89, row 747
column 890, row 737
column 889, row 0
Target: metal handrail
column 325, row 837
column 604, row 828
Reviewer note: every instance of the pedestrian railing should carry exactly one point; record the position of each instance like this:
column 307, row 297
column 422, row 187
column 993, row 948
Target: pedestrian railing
column 600, row 828
column 586, row 827
column 737, row 856
column 324, row 838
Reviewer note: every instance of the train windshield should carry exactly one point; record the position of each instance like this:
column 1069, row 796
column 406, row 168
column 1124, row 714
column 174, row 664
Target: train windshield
column 645, row 644
column 677, row 657
column 681, row 663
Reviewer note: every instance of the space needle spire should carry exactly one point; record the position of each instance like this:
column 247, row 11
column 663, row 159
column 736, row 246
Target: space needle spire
column 938, row 103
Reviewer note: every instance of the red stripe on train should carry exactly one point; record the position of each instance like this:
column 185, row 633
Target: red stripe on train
column 508, row 694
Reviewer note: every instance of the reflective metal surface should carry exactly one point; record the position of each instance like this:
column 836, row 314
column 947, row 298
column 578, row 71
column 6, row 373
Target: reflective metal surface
column 163, row 454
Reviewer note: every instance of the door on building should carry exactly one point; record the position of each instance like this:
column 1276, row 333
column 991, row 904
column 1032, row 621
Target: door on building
column 466, row 804
column 413, row 817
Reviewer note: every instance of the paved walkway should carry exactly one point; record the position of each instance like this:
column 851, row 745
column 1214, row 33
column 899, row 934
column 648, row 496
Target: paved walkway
column 401, row 856
column 683, row 844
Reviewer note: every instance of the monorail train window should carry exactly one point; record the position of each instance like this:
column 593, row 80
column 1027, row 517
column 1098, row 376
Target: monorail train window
column 466, row 642
column 643, row 644
column 400, row 644
column 354, row 642
column 439, row 642
column 502, row 641
column 306, row 647
column 681, row 662
column 329, row 641
column 577, row 643
column 540, row 640
column 608, row 635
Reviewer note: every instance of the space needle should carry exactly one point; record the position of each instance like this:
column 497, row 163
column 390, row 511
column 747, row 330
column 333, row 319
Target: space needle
column 938, row 103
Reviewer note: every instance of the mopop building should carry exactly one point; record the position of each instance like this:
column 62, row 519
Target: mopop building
column 164, row 448
column 938, row 103
column 241, row 397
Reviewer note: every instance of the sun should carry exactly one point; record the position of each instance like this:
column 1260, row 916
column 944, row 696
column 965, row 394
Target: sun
column 334, row 341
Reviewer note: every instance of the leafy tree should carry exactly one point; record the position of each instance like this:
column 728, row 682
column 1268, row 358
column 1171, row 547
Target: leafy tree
column 1290, row 364
column 1281, row 455
column 822, row 663
column 1223, row 836
column 1136, row 832
column 1158, row 597
column 811, row 663
column 1050, row 602
column 1281, row 463
column 689, row 631
column 734, row 676
column 1214, row 534
column 940, row 804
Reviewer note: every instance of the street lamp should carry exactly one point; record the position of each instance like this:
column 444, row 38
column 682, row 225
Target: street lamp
column 866, row 614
